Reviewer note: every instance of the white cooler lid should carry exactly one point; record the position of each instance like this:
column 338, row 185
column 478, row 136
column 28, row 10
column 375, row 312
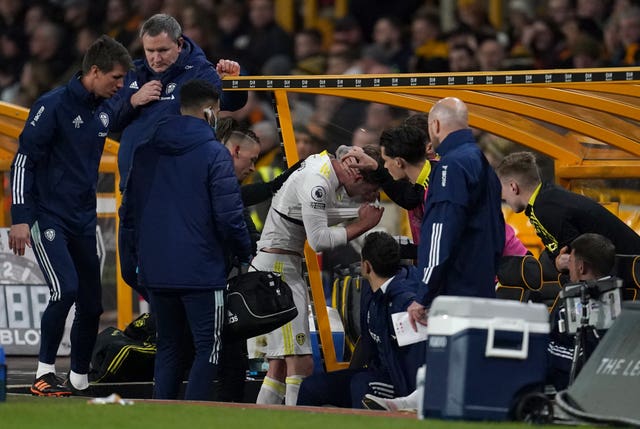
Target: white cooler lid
column 481, row 308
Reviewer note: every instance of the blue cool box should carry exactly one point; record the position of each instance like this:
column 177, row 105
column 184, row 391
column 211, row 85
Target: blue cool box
column 482, row 355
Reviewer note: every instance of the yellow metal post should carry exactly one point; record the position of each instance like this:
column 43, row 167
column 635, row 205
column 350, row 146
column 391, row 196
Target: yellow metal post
column 313, row 268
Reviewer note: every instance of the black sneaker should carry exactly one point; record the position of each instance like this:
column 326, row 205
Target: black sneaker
column 49, row 385
column 77, row 392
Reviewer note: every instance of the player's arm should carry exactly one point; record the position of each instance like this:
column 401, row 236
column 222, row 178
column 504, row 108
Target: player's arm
column 315, row 194
column 34, row 143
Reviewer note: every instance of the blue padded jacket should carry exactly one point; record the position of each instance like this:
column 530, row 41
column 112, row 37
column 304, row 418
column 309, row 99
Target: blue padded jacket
column 183, row 204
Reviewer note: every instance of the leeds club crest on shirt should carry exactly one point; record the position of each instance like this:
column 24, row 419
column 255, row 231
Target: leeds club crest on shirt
column 104, row 118
column 50, row 234
column 170, row 88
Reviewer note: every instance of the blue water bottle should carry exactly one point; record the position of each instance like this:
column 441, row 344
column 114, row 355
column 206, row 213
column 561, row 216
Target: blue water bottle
column 3, row 376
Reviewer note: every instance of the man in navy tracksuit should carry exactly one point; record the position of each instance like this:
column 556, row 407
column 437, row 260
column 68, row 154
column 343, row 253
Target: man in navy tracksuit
column 53, row 182
column 171, row 59
column 391, row 370
column 462, row 234
column 183, row 206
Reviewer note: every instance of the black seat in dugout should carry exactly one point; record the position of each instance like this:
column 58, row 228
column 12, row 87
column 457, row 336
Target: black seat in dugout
column 518, row 277
column 627, row 267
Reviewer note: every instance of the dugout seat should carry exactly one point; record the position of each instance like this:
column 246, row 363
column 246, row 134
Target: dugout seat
column 627, row 267
column 518, row 276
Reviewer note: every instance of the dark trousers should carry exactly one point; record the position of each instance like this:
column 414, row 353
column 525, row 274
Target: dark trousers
column 234, row 362
column 344, row 388
column 202, row 312
column 72, row 269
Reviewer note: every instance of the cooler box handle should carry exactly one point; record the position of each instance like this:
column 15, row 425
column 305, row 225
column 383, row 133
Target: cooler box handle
column 512, row 325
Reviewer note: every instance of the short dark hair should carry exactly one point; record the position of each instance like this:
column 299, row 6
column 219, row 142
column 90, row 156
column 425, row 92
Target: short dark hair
column 382, row 251
column 418, row 120
column 370, row 176
column 407, row 142
column 162, row 23
column 105, row 53
column 596, row 251
column 521, row 166
column 196, row 92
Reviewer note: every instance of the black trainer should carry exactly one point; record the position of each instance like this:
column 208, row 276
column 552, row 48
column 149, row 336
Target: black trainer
column 77, row 392
column 49, row 385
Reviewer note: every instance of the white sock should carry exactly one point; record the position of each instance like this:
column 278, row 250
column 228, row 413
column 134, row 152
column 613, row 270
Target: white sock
column 293, row 383
column 271, row 392
column 79, row 381
column 45, row 368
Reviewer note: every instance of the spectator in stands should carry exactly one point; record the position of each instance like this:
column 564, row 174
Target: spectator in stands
column 265, row 37
column 491, row 55
column 390, row 370
column 307, row 142
column 194, row 198
column 47, row 46
column 348, row 31
column 559, row 216
column 474, row 17
column 35, row 80
column 387, row 36
column 231, row 37
column 627, row 50
column 310, row 59
column 430, row 51
column 462, row 59
column 546, row 44
column 560, row 11
column 120, row 21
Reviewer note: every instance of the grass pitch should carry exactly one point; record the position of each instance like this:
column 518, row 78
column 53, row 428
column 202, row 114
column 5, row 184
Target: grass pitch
column 27, row 412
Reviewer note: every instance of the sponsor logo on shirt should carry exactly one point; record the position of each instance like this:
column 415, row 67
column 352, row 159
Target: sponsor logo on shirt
column 443, row 180
column 37, row 116
column 318, row 195
column 134, row 85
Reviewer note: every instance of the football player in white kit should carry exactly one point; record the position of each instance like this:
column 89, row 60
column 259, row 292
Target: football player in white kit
column 302, row 209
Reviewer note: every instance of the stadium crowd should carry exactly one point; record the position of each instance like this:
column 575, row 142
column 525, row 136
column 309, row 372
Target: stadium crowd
column 42, row 42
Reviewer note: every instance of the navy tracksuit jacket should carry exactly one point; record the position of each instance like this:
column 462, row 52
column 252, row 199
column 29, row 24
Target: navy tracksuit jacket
column 53, row 188
column 191, row 64
column 462, row 234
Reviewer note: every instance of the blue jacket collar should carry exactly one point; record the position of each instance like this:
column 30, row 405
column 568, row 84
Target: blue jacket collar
column 80, row 92
column 455, row 139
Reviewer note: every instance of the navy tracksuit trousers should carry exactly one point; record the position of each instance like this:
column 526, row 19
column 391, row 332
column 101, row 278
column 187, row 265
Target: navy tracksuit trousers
column 71, row 267
column 202, row 313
